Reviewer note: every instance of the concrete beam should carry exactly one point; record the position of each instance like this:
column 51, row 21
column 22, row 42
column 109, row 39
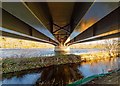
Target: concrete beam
column 12, row 23
column 41, row 10
column 80, row 8
column 25, row 14
column 95, row 13
column 97, row 38
column 13, row 34
column 106, row 26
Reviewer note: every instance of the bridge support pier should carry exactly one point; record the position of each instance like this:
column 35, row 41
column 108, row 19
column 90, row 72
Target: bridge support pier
column 62, row 48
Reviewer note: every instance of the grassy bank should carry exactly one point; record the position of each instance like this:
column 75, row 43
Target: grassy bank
column 18, row 64
column 97, row 56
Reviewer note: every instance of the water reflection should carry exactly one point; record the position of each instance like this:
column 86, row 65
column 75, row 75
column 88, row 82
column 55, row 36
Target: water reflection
column 93, row 67
column 26, row 79
column 59, row 75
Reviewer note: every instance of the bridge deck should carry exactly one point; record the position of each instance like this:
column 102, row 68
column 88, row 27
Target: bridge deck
column 59, row 23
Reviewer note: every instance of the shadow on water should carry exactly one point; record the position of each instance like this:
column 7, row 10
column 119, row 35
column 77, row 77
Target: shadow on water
column 59, row 75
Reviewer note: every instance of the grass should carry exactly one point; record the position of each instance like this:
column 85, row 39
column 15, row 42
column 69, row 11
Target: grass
column 97, row 56
column 19, row 64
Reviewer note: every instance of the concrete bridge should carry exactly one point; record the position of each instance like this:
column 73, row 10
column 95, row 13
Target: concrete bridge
column 60, row 23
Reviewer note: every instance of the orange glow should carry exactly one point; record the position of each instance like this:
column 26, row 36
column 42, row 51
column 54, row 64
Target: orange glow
column 85, row 24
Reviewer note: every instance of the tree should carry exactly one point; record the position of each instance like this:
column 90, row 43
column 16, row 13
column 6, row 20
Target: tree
column 112, row 46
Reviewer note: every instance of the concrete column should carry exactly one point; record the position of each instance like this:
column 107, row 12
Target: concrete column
column 62, row 48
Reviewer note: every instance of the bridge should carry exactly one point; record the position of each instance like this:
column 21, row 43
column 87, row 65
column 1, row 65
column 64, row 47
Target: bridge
column 60, row 23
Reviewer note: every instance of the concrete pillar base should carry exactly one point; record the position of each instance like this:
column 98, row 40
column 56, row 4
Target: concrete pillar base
column 62, row 49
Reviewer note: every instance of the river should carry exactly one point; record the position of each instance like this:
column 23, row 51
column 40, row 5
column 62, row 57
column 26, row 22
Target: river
column 7, row 53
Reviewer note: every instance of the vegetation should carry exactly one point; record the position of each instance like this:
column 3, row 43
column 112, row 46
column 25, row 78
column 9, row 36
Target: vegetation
column 101, row 44
column 6, row 42
column 112, row 47
column 96, row 56
column 87, row 45
column 110, row 79
column 18, row 64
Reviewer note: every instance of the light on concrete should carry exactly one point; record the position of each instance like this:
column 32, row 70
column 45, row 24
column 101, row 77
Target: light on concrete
column 61, row 48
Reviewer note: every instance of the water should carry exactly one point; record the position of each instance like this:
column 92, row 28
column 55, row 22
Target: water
column 25, row 79
column 83, row 51
column 62, row 74
column 4, row 53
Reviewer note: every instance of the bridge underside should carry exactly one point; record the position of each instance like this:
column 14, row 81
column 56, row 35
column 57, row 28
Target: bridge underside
column 60, row 23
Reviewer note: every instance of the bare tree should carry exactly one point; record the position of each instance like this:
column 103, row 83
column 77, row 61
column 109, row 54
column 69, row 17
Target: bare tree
column 112, row 46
